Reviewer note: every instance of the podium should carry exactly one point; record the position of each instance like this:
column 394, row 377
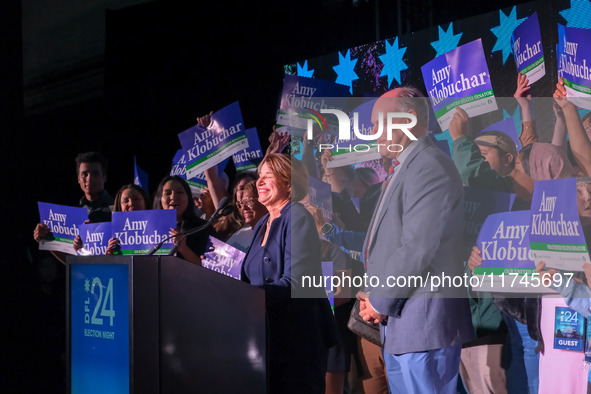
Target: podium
column 159, row 324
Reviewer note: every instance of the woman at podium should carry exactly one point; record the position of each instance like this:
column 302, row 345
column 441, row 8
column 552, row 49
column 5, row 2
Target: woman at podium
column 285, row 247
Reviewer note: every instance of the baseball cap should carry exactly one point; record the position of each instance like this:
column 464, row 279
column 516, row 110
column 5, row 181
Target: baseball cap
column 498, row 139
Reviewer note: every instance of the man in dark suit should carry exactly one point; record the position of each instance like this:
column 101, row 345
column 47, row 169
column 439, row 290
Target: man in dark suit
column 413, row 241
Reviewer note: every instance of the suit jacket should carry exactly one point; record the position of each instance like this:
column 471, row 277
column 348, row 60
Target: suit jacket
column 418, row 235
column 301, row 325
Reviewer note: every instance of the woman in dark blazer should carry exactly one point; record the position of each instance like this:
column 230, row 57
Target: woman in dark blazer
column 285, row 248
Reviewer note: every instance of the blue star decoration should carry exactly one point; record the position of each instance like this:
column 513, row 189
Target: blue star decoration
column 504, row 31
column 393, row 63
column 447, row 40
column 346, row 70
column 516, row 119
column 304, row 72
column 86, row 285
column 578, row 15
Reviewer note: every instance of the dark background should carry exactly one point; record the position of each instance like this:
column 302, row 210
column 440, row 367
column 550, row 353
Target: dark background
column 164, row 64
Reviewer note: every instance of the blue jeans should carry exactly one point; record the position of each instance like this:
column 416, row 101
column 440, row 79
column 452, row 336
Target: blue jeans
column 434, row 371
column 522, row 362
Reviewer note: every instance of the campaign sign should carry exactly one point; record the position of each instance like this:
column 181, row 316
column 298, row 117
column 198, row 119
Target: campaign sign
column 249, row 158
column 526, row 41
column 459, row 78
column 356, row 149
column 478, row 205
column 574, row 49
column 569, row 329
column 327, row 273
column 64, row 223
column 302, row 100
column 320, row 196
column 139, row 231
column 507, row 126
column 198, row 182
column 507, row 264
column 223, row 258
column 556, row 236
column 206, row 147
column 140, row 177
column 95, row 238
column 99, row 328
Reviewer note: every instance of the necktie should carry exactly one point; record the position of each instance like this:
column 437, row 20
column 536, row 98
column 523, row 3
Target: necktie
column 395, row 163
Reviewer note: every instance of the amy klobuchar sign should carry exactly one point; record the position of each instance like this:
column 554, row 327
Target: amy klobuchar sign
column 459, row 78
column 506, row 257
column 574, row 65
column 139, row 231
column 556, row 236
column 302, row 99
column 95, row 238
column 527, row 49
column 64, row 223
column 206, row 147
column 249, row 158
column 223, row 258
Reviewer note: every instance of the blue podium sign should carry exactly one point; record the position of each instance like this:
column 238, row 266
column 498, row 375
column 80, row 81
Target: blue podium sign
column 99, row 328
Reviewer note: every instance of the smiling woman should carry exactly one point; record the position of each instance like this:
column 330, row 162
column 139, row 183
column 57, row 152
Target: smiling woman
column 285, row 247
column 174, row 193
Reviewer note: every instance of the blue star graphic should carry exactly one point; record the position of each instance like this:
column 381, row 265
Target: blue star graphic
column 504, row 31
column 346, row 70
column 447, row 40
column 304, row 72
column 445, row 136
column 578, row 15
column 516, row 119
column 393, row 63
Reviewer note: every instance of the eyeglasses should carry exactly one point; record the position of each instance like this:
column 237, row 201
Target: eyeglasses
column 246, row 203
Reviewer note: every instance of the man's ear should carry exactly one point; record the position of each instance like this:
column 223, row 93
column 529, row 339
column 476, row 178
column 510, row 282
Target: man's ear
column 508, row 159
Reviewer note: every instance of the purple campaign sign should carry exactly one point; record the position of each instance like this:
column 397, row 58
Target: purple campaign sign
column 198, row 182
column 507, row 264
column 327, row 273
column 574, row 60
column 206, row 147
column 303, row 98
column 527, row 49
column 556, row 236
column 459, row 77
column 95, row 238
column 249, row 158
column 139, row 231
column 64, row 223
column 320, row 196
column 223, row 258
column 478, row 205
column 504, row 243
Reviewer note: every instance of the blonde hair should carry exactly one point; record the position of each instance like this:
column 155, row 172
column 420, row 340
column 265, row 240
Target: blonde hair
column 290, row 172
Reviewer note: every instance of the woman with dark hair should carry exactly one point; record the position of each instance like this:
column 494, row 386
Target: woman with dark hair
column 130, row 197
column 300, row 329
column 174, row 193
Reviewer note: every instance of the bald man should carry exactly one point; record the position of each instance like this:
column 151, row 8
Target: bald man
column 415, row 235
